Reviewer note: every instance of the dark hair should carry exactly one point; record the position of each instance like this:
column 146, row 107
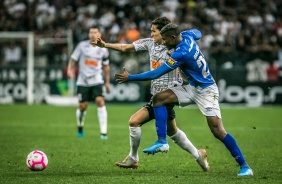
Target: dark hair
column 171, row 29
column 94, row 27
column 160, row 22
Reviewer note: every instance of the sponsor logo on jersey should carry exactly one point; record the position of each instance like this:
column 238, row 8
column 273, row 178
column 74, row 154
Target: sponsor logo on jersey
column 171, row 62
column 155, row 64
column 90, row 62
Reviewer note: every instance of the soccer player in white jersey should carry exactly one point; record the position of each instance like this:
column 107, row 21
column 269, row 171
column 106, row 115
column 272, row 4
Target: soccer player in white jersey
column 201, row 89
column 93, row 75
column 158, row 55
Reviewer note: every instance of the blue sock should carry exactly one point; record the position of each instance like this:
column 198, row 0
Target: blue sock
column 235, row 151
column 161, row 120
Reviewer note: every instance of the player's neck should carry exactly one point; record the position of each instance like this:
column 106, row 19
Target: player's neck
column 178, row 40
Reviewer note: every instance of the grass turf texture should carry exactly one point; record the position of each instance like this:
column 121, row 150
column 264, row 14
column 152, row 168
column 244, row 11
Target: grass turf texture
column 52, row 129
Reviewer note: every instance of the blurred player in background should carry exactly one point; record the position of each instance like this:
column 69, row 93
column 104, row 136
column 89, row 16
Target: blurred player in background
column 158, row 55
column 93, row 75
column 201, row 89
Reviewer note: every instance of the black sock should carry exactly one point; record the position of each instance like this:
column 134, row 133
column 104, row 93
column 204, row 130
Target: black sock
column 80, row 129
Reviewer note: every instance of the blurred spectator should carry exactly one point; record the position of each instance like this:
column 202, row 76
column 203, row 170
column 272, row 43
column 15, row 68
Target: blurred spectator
column 241, row 55
column 278, row 33
column 254, row 19
column 12, row 53
column 45, row 14
column 257, row 71
column 237, row 31
column 132, row 34
column 228, row 49
column 272, row 72
column 107, row 17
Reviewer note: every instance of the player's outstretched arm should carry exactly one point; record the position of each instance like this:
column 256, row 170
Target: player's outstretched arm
column 150, row 75
column 114, row 46
column 122, row 77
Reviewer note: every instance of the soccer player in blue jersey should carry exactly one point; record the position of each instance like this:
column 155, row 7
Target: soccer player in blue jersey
column 158, row 55
column 201, row 89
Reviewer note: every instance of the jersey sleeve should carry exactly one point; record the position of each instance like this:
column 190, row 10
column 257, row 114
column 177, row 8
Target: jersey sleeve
column 174, row 60
column 142, row 44
column 76, row 53
column 194, row 33
column 106, row 60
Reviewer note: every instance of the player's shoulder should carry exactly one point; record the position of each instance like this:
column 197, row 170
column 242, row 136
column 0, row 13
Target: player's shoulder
column 83, row 43
column 144, row 41
column 192, row 33
column 104, row 50
column 178, row 53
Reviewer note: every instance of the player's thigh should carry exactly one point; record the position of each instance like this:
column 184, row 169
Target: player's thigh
column 146, row 114
column 183, row 95
column 97, row 94
column 164, row 97
column 83, row 94
column 150, row 109
column 139, row 118
column 207, row 100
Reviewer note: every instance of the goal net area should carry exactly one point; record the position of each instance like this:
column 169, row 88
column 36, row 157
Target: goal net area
column 33, row 70
column 33, row 67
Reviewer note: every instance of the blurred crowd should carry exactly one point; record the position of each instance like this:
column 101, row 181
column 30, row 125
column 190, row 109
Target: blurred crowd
column 235, row 32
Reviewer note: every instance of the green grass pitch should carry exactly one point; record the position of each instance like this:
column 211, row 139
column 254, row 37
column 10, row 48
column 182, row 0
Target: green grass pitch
column 52, row 129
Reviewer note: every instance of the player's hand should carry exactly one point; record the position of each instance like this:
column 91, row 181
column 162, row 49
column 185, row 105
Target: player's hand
column 71, row 73
column 107, row 87
column 123, row 77
column 98, row 42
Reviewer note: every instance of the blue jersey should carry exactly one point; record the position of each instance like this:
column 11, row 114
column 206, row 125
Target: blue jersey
column 188, row 57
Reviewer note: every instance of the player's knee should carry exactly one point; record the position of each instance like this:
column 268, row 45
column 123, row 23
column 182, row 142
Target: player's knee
column 134, row 122
column 82, row 107
column 100, row 102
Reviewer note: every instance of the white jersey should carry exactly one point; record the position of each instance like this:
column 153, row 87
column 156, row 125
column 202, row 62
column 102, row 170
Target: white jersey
column 90, row 62
column 158, row 55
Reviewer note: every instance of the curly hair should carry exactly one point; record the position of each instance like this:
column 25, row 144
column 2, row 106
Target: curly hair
column 171, row 29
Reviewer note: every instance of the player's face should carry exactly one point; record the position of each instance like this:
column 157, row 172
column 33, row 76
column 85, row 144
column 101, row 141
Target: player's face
column 168, row 41
column 94, row 34
column 155, row 34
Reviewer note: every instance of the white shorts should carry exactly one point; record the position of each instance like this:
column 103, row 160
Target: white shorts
column 206, row 99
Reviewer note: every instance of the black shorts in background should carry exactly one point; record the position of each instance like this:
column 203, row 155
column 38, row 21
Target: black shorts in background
column 89, row 93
